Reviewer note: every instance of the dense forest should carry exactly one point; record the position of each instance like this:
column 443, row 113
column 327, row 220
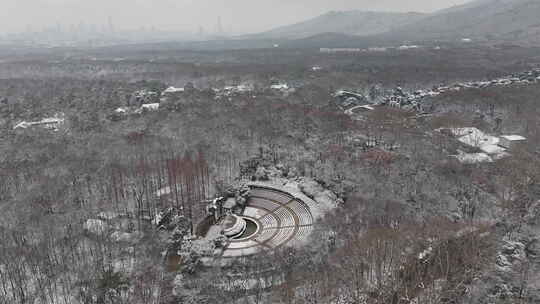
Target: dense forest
column 91, row 211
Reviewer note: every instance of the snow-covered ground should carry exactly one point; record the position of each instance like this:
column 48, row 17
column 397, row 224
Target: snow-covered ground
column 489, row 145
column 173, row 90
column 473, row 158
column 148, row 107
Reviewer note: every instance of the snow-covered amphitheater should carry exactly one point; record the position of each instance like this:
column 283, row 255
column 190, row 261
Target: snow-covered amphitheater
column 277, row 218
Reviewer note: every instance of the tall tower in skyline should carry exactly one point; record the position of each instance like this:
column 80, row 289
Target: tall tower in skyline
column 111, row 25
column 219, row 26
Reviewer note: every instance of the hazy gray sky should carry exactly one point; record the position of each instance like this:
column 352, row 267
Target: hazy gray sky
column 238, row 15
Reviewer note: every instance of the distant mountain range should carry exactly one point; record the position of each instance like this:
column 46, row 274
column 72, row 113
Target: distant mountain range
column 494, row 20
column 357, row 23
column 508, row 20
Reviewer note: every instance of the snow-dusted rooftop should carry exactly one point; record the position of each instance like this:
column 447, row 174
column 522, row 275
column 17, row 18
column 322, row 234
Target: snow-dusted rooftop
column 492, row 149
column 150, row 106
column 281, row 86
column 514, row 137
column 120, row 110
column 491, row 146
column 473, row 158
column 173, row 90
column 474, row 137
column 408, row 47
column 48, row 123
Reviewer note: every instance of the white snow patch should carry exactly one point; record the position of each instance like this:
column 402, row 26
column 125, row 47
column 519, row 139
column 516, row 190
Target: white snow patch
column 22, row 125
column 173, row 90
column 407, row 47
column 359, row 109
column 149, row 107
column 377, row 49
column 477, row 138
column 95, row 226
column 51, row 123
column 473, row 158
column 492, row 149
column 425, row 253
column 513, row 137
column 281, row 86
column 119, row 236
column 107, row 215
column 163, row 191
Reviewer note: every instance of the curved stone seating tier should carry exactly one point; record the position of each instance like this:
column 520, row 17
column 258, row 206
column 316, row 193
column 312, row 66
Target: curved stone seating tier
column 254, row 212
column 287, row 219
column 284, row 221
column 266, row 235
column 269, row 221
column 233, row 253
column 263, row 203
column 302, row 235
column 282, row 236
column 302, row 211
column 271, row 194
column 242, row 244
column 234, row 226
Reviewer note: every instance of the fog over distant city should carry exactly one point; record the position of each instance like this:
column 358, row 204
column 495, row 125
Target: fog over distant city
column 231, row 16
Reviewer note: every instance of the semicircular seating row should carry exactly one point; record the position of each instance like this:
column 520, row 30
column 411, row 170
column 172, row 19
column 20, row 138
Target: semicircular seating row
column 285, row 213
column 284, row 220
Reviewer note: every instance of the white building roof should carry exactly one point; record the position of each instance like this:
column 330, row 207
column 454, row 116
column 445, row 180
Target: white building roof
column 173, row 90
column 474, row 137
column 492, row 149
column 45, row 121
column 21, row 125
column 150, row 106
column 514, row 137
column 282, row 86
column 407, row 47
column 50, row 120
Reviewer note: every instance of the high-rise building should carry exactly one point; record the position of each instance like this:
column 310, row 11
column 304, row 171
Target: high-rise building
column 111, row 25
column 219, row 26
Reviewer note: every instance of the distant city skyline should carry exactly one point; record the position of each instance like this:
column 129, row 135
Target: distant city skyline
column 212, row 16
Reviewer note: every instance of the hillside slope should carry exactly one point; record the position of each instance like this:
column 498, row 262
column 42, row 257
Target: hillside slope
column 509, row 20
column 514, row 21
column 347, row 22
